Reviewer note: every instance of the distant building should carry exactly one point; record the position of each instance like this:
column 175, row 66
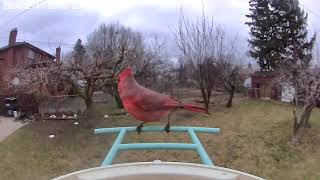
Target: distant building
column 262, row 85
column 245, row 76
column 247, row 72
column 24, row 54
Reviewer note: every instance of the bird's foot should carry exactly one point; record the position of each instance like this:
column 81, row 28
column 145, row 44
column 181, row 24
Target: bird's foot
column 139, row 128
column 167, row 128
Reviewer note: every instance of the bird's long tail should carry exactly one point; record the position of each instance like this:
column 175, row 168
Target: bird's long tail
column 194, row 108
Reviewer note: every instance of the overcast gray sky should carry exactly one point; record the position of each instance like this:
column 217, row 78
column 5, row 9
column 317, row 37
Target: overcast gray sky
column 62, row 22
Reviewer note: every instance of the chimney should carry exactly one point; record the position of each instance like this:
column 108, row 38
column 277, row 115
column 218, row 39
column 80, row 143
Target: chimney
column 58, row 54
column 13, row 36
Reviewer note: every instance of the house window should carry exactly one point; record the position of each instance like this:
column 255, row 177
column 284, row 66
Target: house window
column 31, row 55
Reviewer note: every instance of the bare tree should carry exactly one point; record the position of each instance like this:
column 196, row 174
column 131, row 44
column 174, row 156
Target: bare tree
column 153, row 57
column 231, row 80
column 33, row 78
column 110, row 48
column 303, row 82
column 51, row 79
column 120, row 47
column 203, row 45
column 116, row 44
column 84, row 78
column 304, row 85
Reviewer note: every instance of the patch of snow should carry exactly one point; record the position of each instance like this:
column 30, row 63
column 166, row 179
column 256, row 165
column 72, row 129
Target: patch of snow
column 287, row 94
column 51, row 136
column 247, row 83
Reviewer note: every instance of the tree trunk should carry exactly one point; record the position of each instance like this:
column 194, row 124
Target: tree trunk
column 306, row 116
column 302, row 123
column 296, row 125
column 206, row 104
column 205, row 98
column 87, row 116
column 88, row 102
column 117, row 97
column 229, row 103
column 89, row 92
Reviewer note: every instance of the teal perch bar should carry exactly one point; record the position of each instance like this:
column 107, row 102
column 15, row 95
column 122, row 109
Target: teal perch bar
column 158, row 128
column 137, row 146
column 196, row 145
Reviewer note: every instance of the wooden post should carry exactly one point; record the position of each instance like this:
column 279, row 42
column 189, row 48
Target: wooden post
column 255, row 92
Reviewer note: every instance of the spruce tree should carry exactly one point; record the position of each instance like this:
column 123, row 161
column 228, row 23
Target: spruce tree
column 79, row 51
column 261, row 32
column 279, row 34
column 292, row 33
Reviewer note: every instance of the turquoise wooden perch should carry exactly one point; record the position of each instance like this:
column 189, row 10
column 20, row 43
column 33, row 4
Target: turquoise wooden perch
column 196, row 145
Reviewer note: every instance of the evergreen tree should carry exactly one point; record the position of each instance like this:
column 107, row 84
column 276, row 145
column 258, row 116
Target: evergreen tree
column 79, row 51
column 278, row 30
column 292, row 34
column 261, row 31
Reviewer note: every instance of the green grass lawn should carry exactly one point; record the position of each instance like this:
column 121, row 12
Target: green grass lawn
column 254, row 138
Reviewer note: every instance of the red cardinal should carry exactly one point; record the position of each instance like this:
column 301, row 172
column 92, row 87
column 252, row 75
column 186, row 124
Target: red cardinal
column 147, row 105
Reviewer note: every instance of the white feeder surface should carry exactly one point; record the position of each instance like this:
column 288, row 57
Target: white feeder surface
column 158, row 171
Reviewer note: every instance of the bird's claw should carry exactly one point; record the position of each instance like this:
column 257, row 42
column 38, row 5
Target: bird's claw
column 167, row 128
column 139, row 128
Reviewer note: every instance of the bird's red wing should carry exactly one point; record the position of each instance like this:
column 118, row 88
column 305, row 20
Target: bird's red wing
column 150, row 100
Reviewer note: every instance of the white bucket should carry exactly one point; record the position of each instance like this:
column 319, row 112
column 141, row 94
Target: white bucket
column 15, row 114
column 158, row 171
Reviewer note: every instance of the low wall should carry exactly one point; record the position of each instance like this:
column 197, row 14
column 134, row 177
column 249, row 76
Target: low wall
column 55, row 105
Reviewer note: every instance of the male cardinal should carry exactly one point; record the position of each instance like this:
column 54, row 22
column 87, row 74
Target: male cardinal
column 147, row 105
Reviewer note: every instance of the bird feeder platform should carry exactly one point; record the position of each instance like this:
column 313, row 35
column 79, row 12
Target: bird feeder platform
column 157, row 169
